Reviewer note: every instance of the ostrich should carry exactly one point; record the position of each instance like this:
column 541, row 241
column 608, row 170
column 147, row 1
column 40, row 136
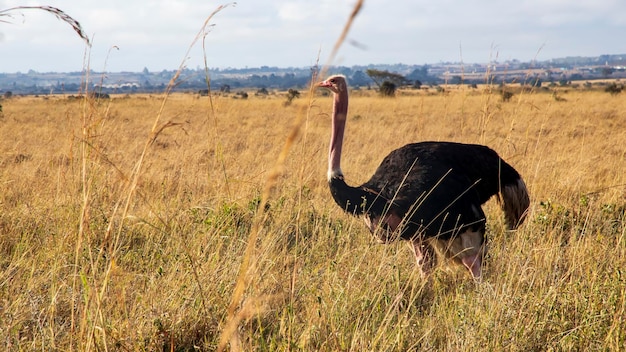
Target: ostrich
column 428, row 193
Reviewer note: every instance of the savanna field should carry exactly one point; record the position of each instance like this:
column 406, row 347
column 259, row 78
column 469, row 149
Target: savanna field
column 125, row 224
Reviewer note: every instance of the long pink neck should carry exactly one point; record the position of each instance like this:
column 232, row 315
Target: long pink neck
column 340, row 111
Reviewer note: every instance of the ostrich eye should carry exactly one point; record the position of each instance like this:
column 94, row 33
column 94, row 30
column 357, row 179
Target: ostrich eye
column 332, row 80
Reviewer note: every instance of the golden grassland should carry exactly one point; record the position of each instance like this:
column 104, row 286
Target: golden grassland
column 117, row 235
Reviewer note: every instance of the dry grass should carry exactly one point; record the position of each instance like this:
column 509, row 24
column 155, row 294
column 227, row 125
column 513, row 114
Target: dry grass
column 6, row 15
column 75, row 273
column 179, row 223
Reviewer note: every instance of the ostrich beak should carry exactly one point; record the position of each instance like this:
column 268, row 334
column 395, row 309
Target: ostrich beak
column 323, row 84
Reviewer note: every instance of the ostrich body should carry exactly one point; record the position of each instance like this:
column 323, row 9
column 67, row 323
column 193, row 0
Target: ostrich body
column 428, row 193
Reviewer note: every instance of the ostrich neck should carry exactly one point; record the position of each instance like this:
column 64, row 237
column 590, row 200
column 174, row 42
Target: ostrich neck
column 340, row 111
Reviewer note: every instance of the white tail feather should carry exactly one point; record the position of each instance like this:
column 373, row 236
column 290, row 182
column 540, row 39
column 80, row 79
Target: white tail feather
column 515, row 203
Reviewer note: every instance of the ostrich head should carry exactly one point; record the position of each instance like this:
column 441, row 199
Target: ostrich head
column 336, row 84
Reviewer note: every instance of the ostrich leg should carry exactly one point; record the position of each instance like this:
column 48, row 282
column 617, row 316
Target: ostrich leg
column 424, row 256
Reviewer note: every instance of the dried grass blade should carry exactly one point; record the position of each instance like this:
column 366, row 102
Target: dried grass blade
column 60, row 14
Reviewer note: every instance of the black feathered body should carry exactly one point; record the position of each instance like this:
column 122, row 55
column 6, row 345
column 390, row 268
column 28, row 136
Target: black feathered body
column 435, row 189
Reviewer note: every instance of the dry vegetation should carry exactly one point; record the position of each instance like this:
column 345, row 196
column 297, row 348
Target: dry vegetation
column 178, row 223
column 101, row 253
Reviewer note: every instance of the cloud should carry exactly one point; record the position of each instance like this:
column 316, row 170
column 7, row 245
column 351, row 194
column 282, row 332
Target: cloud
column 156, row 34
column 294, row 12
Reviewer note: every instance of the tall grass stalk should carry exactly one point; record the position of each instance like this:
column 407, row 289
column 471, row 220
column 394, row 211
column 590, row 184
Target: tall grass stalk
column 60, row 14
column 247, row 270
column 95, row 285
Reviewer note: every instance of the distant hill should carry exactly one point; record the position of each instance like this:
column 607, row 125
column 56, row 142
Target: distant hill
column 559, row 69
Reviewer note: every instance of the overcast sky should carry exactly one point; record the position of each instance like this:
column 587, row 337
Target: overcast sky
column 132, row 35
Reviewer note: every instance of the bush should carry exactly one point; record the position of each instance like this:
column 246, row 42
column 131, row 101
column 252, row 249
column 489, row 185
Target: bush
column 506, row 95
column 387, row 89
column 614, row 89
column 291, row 95
column 241, row 95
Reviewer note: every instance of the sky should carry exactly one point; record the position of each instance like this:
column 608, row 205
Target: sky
column 157, row 35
